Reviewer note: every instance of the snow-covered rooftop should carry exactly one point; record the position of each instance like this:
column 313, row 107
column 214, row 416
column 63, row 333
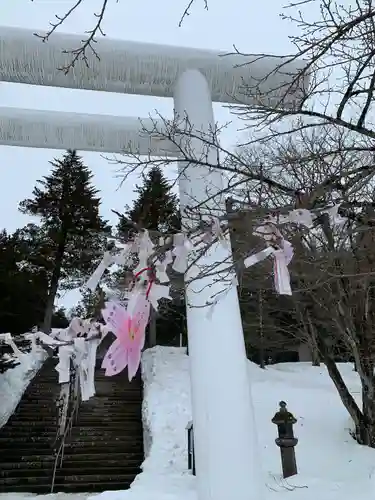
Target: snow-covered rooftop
column 136, row 68
column 84, row 132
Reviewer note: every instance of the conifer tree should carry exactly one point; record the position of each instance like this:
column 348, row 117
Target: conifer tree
column 156, row 206
column 24, row 287
column 73, row 232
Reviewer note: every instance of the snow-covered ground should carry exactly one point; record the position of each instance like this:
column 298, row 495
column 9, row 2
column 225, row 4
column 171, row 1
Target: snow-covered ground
column 14, row 382
column 331, row 465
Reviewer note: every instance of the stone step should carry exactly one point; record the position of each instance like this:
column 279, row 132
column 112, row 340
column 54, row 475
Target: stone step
column 23, row 438
column 12, row 446
column 131, row 428
column 107, row 421
column 103, row 448
column 126, row 405
column 107, row 397
column 25, row 453
column 87, row 442
column 94, row 461
column 21, row 474
column 13, row 423
column 86, row 473
column 102, row 408
column 69, row 472
column 45, row 463
column 39, row 400
column 94, row 456
column 41, row 419
column 24, row 408
column 44, row 410
column 109, row 463
column 93, row 478
column 73, row 440
column 108, row 477
column 98, row 415
column 65, row 488
column 108, row 416
column 45, row 381
column 119, row 402
column 10, row 432
column 77, row 439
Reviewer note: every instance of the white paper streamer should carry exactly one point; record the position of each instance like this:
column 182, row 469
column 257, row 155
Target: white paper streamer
column 158, row 292
column 161, row 269
column 302, row 217
column 182, row 247
column 258, row 257
column 145, row 248
column 96, row 276
column 7, row 338
column 281, row 274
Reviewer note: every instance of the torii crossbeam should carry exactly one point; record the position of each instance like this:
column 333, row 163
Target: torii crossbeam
column 84, row 132
column 222, row 407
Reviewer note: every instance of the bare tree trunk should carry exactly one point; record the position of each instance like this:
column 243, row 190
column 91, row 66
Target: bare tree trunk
column 54, row 283
column 366, row 373
column 152, row 339
column 345, row 396
column 313, row 342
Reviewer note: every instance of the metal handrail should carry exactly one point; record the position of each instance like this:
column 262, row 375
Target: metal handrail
column 67, row 429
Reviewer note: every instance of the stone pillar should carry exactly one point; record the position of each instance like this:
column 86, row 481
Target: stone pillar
column 224, row 430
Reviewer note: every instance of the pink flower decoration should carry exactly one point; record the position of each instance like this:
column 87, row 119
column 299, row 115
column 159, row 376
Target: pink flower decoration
column 129, row 326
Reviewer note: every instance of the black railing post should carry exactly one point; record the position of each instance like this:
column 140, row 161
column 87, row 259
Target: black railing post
column 191, row 456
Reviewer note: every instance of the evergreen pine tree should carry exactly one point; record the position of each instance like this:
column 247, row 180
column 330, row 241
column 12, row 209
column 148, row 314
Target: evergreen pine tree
column 24, row 293
column 156, row 206
column 24, row 287
column 73, row 231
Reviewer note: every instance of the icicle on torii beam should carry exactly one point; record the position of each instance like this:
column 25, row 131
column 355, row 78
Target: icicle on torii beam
column 84, row 132
column 221, row 400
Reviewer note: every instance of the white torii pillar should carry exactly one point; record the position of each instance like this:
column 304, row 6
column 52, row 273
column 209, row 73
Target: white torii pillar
column 221, row 399
column 222, row 409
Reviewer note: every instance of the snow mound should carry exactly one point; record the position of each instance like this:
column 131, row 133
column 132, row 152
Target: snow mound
column 14, row 381
column 331, row 465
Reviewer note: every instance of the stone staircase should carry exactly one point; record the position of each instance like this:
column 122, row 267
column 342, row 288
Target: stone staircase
column 103, row 451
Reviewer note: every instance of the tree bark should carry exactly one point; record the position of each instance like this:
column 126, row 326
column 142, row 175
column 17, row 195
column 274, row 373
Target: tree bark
column 346, row 398
column 152, row 329
column 54, row 283
column 313, row 342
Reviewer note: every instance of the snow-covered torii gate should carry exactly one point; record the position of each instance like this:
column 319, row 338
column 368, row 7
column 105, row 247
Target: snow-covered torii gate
column 225, row 441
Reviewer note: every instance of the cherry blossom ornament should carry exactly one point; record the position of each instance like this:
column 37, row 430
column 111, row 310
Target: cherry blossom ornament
column 129, row 326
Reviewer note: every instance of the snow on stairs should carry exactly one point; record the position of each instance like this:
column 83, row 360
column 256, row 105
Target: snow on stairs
column 104, row 450
column 26, row 441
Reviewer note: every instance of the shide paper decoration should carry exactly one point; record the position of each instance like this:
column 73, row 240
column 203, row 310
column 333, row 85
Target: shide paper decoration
column 282, row 252
column 76, row 346
column 78, row 343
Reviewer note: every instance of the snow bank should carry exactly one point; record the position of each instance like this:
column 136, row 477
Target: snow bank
column 14, row 381
column 331, row 465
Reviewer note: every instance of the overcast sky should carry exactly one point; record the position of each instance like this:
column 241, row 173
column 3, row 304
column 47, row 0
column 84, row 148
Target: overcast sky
column 252, row 26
